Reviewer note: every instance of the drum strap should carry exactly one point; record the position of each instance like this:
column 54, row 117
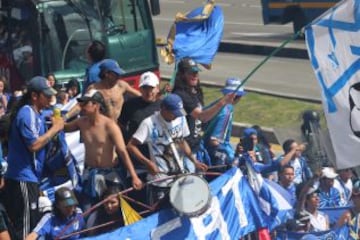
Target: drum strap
column 172, row 144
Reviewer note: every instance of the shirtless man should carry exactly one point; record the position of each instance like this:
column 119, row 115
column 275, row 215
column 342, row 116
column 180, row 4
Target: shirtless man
column 102, row 138
column 112, row 89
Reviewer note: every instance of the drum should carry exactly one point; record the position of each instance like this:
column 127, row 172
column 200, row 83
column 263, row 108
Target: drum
column 190, row 195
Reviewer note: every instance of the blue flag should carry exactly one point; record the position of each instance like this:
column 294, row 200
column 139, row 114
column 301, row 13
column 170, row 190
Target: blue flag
column 196, row 34
column 233, row 213
column 274, row 201
column 342, row 233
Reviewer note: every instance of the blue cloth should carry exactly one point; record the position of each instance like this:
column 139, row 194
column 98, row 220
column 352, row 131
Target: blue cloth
column 24, row 165
column 2, row 162
column 234, row 212
column 200, row 39
column 330, row 199
column 292, row 192
column 275, row 200
column 92, row 76
column 302, row 171
column 338, row 233
column 220, row 128
column 51, row 226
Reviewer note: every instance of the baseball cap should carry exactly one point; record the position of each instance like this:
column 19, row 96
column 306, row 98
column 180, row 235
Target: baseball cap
column 231, row 85
column 149, row 79
column 188, row 64
column 94, row 96
column 249, row 131
column 39, row 84
column 64, row 197
column 328, row 172
column 174, row 104
column 111, row 65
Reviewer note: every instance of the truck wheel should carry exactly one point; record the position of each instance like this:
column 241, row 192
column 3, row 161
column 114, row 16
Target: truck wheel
column 299, row 20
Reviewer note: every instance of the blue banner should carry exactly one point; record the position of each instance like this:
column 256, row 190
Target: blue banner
column 234, row 212
column 342, row 233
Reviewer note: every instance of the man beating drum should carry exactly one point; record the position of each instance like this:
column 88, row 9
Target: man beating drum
column 164, row 132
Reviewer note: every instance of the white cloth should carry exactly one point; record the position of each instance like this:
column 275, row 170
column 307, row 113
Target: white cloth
column 152, row 132
column 319, row 222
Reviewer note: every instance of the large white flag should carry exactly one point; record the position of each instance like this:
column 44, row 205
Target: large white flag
column 333, row 43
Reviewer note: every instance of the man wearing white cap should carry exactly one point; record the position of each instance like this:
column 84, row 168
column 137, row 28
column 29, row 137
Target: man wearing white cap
column 138, row 108
column 217, row 134
column 329, row 196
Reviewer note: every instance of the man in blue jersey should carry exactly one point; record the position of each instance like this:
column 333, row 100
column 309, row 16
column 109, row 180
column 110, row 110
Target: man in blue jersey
column 329, row 196
column 26, row 155
column 65, row 219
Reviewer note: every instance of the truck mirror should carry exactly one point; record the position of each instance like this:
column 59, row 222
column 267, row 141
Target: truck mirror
column 155, row 7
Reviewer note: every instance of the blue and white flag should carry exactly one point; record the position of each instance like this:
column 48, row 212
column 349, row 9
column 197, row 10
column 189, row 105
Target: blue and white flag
column 233, row 213
column 196, row 34
column 274, row 201
column 333, row 43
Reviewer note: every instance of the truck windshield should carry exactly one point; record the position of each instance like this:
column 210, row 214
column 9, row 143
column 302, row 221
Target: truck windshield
column 55, row 35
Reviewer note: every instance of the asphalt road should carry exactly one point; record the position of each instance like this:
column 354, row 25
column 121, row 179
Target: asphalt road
column 243, row 25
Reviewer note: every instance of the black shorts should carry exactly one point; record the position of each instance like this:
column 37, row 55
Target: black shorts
column 21, row 204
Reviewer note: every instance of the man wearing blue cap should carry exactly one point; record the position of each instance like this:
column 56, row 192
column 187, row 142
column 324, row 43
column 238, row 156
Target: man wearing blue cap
column 164, row 132
column 26, row 155
column 218, row 132
column 111, row 87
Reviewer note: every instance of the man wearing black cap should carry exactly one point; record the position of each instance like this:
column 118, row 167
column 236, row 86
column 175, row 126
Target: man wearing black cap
column 164, row 133
column 26, row 155
column 56, row 224
column 102, row 137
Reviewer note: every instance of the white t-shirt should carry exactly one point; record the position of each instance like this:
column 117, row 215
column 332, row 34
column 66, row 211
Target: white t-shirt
column 152, row 131
column 319, row 222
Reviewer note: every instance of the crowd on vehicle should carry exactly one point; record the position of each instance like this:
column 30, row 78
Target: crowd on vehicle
column 138, row 138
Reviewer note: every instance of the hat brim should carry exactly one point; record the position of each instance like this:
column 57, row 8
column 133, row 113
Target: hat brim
column 68, row 202
column 148, row 85
column 84, row 99
column 49, row 92
column 330, row 175
column 239, row 93
column 178, row 112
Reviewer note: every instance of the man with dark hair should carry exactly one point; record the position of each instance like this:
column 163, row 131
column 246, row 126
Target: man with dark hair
column 102, row 139
column 111, row 87
column 26, row 155
column 297, row 161
column 96, row 53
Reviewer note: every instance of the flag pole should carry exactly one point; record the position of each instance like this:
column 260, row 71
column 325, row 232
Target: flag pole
column 274, row 52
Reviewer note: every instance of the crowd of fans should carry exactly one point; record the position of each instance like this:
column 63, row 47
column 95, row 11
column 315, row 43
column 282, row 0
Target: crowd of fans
column 148, row 137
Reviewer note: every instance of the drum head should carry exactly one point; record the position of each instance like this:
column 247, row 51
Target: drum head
column 190, row 195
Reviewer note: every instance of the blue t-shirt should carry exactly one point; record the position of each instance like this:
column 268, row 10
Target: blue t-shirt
column 329, row 199
column 25, row 130
column 92, row 76
column 51, row 226
column 220, row 128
